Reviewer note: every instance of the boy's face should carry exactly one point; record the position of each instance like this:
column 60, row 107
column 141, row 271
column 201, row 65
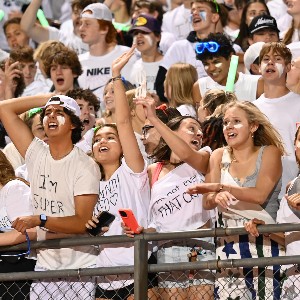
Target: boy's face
column 15, row 36
column 89, row 30
column 217, row 69
column 62, row 78
column 29, row 70
column 87, row 114
column 273, row 67
column 202, row 16
column 76, row 11
column 264, row 35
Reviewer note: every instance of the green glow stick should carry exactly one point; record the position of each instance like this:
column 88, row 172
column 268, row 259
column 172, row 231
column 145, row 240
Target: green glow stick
column 232, row 73
column 1, row 15
column 41, row 16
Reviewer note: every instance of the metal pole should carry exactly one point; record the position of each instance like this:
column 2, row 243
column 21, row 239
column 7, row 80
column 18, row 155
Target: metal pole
column 140, row 269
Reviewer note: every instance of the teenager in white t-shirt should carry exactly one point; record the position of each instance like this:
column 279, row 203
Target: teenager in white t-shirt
column 204, row 16
column 216, row 61
column 26, row 63
column 124, row 184
column 64, row 188
column 146, row 32
column 171, row 208
column 99, row 33
column 63, row 68
column 41, row 34
column 281, row 106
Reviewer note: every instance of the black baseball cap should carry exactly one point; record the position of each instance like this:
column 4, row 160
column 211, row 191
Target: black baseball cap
column 261, row 22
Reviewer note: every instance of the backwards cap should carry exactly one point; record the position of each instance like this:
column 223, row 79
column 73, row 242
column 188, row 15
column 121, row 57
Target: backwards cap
column 99, row 11
column 66, row 102
column 252, row 53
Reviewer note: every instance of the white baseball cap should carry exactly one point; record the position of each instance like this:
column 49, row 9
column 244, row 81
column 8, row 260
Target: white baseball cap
column 295, row 49
column 252, row 53
column 65, row 101
column 99, row 11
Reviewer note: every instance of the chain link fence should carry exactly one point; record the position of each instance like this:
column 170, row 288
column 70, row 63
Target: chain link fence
column 193, row 274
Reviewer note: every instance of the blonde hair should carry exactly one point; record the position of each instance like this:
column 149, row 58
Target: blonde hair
column 265, row 134
column 48, row 48
column 181, row 78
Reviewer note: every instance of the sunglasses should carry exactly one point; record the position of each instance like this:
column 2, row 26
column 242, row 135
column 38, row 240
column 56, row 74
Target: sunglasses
column 14, row 258
column 146, row 128
column 211, row 47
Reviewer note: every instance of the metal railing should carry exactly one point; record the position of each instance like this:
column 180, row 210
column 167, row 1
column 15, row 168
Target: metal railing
column 141, row 267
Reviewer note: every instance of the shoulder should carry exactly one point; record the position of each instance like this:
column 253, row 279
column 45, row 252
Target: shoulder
column 217, row 154
column 270, row 151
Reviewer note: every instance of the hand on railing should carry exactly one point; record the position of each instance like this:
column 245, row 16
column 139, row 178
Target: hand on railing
column 251, row 226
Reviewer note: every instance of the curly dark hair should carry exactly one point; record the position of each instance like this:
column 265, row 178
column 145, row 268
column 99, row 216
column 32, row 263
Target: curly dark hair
column 66, row 57
column 225, row 49
column 163, row 152
column 81, row 4
column 86, row 95
column 213, row 136
column 76, row 132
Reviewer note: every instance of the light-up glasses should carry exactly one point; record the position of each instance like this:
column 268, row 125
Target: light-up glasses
column 210, row 46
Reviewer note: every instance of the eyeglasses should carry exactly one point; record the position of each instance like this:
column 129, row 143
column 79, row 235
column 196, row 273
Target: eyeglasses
column 212, row 47
column 146, row 128
column 13, row 258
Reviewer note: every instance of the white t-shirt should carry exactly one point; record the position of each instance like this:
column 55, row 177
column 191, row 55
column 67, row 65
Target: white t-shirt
column 35, row 88
column 85, row 144
column 245, row 88
column 97, row 70
column 14, row 202
column 284, row 114
column 70, row 39
column 183, row 51
column 177, row 21
column 125, row 189
column 171, row 208
column 151, row 69
column 187, row 110
column 13, row 155
column 166, row 40
column 54, row 184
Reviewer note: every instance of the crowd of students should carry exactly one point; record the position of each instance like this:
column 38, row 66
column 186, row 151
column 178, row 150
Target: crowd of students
column 126, row 105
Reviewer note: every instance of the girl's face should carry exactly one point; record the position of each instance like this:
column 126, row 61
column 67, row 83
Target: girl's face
column 109, row 97
column 38, row 128
column 150, row 137
column 106, row 145
column 297, row 147
column 190, row 131
column 255, row 9
column 236, row 128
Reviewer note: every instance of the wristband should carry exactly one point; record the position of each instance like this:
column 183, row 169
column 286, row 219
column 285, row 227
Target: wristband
column 119, row 77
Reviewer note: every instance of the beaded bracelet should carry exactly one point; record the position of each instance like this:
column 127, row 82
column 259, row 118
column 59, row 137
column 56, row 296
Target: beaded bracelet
column 119, row 77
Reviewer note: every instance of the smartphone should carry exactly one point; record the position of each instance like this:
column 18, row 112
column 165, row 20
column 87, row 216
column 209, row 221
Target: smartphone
column 129, row 219
column 105, row 219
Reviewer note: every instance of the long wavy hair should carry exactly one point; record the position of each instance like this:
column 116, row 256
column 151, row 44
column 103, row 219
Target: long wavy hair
column 265, row 134
column 7, row 172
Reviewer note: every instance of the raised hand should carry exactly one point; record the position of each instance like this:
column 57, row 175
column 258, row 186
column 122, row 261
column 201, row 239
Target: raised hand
column 121, row 61
column 293, row 201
